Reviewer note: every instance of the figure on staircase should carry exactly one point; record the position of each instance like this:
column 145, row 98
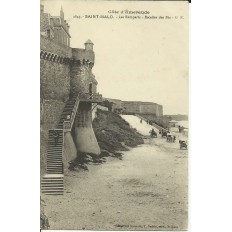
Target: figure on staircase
column 56, row 136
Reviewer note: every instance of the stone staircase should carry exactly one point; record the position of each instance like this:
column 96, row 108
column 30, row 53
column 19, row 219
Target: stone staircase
column 53, row 182
column 54, row 153
column 69, row 112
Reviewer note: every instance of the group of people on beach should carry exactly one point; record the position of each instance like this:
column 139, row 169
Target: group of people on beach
column 181, row 128
column 164, row 133
column 148, row 121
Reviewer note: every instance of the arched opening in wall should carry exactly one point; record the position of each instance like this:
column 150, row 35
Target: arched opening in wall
column 48, row 34
column 90, row 88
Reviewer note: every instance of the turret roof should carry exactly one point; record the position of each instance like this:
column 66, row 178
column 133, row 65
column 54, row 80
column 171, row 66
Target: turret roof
column 88, row 42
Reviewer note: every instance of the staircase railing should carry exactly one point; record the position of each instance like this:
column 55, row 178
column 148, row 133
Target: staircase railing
column 67, row 124
column 90, row 97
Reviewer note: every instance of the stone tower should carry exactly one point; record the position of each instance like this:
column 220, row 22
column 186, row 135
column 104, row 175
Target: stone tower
column 89, row 45
column 84, row 85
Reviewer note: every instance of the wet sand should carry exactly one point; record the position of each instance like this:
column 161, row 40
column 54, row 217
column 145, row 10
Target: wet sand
column 146, row 190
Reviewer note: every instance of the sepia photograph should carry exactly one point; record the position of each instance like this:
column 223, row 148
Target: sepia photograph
column 114, row 115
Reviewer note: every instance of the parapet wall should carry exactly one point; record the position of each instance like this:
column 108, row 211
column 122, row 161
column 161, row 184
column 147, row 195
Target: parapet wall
column 131, row 107
column 137, row 107
column 49, row 45
column 142, row 107
column 83, row 54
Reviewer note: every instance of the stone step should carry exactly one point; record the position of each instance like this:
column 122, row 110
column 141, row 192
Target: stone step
column 66, row 112
column 55, row 164
column 58, row 149
column 52, row 187
column 52, row 184
column 51, row 158
column 54, row 168
column 54, row 156
column 55, row 151
column 69, row 108
column 61, row 183
column 51, row 131
column 52, row 140
column 54, row 159
column 51, row 134
column 53, row 176
column 60, row 180
column 52, row 181
column 52, row 146
column 55, row 193
column 52, row 143
column 54, row 172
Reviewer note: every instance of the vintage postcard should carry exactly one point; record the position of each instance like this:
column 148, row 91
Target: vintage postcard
column 114, row 115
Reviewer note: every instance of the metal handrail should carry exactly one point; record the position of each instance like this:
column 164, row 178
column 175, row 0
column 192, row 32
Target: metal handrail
column 67, row 124
column 90, row 96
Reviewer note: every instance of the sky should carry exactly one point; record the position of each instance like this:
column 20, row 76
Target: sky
column 135, row 60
